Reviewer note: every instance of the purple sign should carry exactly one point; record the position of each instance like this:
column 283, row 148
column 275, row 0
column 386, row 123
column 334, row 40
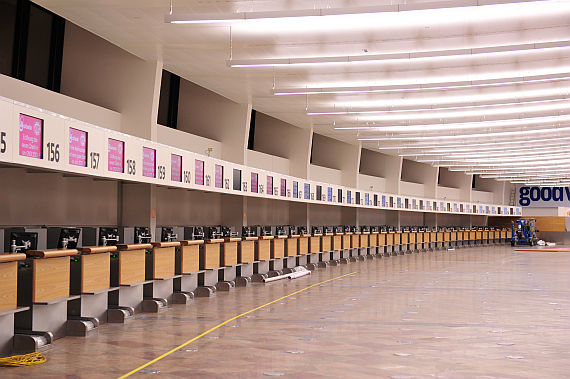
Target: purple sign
column 270, row 185
column 77, row 147
column 31, row 136
column 149, row 162
column 199, row 172
column 219, row 176
column 175, row 168
column 116, row 155
column 283, row 187
column 254, row 182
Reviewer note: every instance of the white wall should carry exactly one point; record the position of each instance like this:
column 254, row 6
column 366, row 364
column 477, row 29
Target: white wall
column 325, row 174
column 328, row 152
column 367, row 181
column 481, row 196
column 448, row 193
column 187, row 141
column 412, row 189
column 267, row 162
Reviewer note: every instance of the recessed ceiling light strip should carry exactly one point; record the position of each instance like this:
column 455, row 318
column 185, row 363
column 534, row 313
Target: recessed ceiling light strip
column 274, row 62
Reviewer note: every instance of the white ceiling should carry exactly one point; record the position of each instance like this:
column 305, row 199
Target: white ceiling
column 511, row 49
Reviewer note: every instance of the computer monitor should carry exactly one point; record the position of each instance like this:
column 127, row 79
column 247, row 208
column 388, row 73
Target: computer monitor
column 249, row 231
column 338, row 229
column 302, row 230
column 108, row 236
column 68, row 238
column 198, row 233
column 327, row 229
column 292, row 230
column 266, row 230
column 142, row 234
column 365, row 229
column 280, row 230
column 316, row 230
column 21, row 242
column 167, row 234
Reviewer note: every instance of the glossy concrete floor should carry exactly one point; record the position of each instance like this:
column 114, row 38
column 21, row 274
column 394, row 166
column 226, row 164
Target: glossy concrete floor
column 484, row 312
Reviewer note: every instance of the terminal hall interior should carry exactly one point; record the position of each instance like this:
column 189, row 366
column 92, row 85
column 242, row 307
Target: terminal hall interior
column 242, row 189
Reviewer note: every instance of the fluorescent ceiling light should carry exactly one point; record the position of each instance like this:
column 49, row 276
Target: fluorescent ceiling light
column 530, row 121
column 469, row 136
column 554, row 104
column 433, row 86
column 207, row 18
column 273, row 62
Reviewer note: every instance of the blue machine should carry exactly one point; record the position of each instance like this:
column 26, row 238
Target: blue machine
column 524, row 232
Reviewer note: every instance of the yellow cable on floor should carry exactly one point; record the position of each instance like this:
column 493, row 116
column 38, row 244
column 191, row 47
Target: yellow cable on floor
column 22, row 360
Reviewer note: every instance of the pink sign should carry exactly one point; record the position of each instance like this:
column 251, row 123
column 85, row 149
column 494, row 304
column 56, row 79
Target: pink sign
column 283, row 187
column 31, row 136
column 270, row 185
column 77, row 147
column 149, row 162
column 219, row 176
column 116, row 155
column 175, row 168
column 199, row 172
column 254, row 182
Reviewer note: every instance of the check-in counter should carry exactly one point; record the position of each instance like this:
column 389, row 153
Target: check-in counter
column 9, row 300
column 382, row 243
column 397, row 248
column 128, row 272
column 453, row 238
column 304, row 244
column 90, row 274
column 390, row 243
column 161, row 270
column 478, row 237
column 346, row 242
column 188, row 265
column 278, row 247
column 263, row 251
column 446, row 238
column 326, row 242
column 412, row 241
column 405, row 241
column 246, row 251
column 472, row 237
column 355, row 243
column 43, row 286
column 292, row 245
column 485, row 237
column 373, row 242
column 315, row 243
column 337, row 249
column 503, row 237
column 439, row 240
column 420, row 241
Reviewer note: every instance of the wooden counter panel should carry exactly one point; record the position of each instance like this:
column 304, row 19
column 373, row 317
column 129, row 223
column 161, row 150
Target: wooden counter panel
column 550, row 223
column 134, row 246
column 453, row 236
column 278, row 248
column 397, row 238
column 97, row 249
column 405, row 238
column 303, row 245
column 163, row 262
column 210, row 256
column 315, row 245
column 327, row 243
column 230, row 256
column 190, row 258
column 412, row 237
column 52, row 253
column 95, row 272
column 355, row 240
column 166, row 244
column 336, row 243
column 292, row 247
column 346, row 241
column 485, row 235
column 447, row 236
column 8, row 285
column 247, row 251
column 131, row 266
column 478, row 235
column 389, row 239
column 382, row 239
column 365, row 240
column 503, row 234
column 51, row 278
column 439, row 237
column 373, row 240
column 263, row 249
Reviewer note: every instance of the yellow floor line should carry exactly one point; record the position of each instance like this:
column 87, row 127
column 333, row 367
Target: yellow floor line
column 224, row 323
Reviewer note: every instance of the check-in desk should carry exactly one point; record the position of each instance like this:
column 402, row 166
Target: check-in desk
column 326, row 246
column 405, row 242
column 453, row 238
column 478, row 237
column 382, row 243
column 303, row 257
column 446, row 238
column 315, row 248
column 439, row 240
column 160, row 272
column 128, row 273
column 346, row 247
column 9, row 300
column 397, row 248
column 373, row 242
column 246, row 258
column 485, row 237
column 390, row 244
column 90, row 275
column 420, row 241
column 336, row 247
column 277, row 253
column 355, row 245
column 472, row 237
column 364, row 243
column 262, row 257
column 503, row 237
column 43, row 286
column 187, row 265
column 291, row 250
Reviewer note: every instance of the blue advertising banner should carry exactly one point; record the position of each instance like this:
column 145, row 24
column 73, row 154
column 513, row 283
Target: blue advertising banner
column 545, row 197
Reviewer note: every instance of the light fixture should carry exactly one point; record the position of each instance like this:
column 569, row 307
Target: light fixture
column 274, row 62
column 432, row 86
column 208, row 18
